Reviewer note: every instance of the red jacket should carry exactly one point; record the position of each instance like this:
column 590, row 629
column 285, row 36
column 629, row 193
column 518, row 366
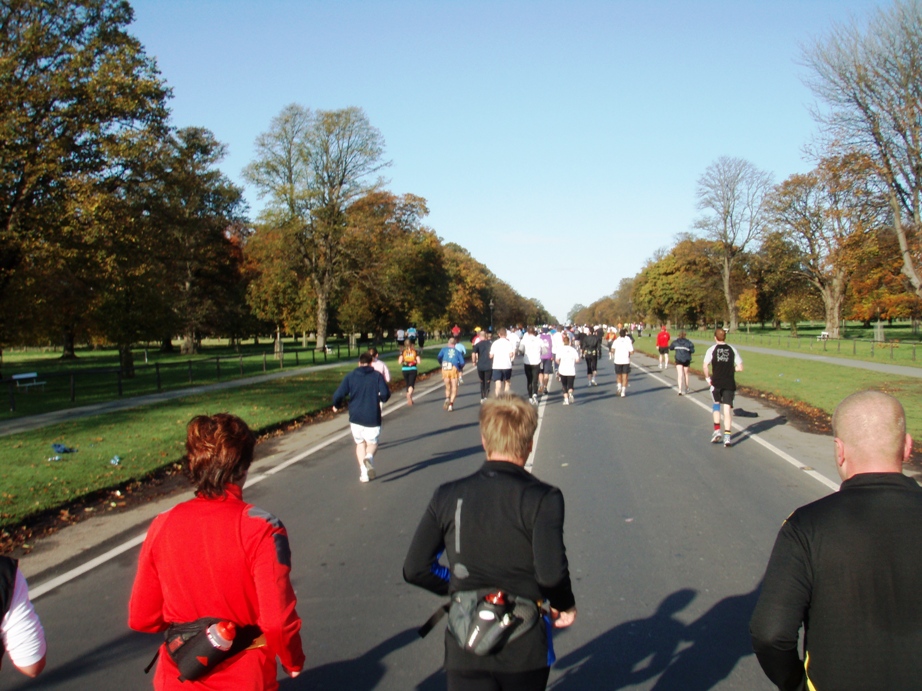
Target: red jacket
column 662, row 339
column 219, row 558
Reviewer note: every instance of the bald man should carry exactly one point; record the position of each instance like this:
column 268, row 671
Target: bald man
column 848, row 567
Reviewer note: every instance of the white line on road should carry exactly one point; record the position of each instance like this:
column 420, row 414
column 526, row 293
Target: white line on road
column 822, row 479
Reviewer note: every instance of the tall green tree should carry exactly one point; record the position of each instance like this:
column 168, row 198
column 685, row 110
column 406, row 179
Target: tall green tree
column 311, row 167
column 73, row 82
column 196, row 207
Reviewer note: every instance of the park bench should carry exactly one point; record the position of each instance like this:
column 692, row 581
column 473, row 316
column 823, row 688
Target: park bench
column 27, row 381
column 823, row 336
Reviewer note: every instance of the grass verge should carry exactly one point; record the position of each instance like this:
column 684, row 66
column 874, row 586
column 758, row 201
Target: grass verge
column 811, row 384
column 149, row 442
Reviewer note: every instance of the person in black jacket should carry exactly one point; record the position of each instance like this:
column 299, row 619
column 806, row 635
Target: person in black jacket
column 500, row 529
column 848, row 567
column 366, row 390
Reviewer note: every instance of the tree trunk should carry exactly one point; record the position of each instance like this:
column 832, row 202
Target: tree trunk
column 909, row 267
column 726, row 270
column 126, row 361
column 166, row 345
column 68, row 345
column 322, row 320
column 189, row 344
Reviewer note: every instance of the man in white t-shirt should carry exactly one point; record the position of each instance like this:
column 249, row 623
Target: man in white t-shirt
column 530, row 347
column 502, row 353
column 622, row 348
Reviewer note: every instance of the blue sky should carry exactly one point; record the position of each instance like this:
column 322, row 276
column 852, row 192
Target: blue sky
column 559, row 142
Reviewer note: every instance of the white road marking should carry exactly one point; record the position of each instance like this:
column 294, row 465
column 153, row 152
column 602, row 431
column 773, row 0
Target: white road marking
column 819, row 477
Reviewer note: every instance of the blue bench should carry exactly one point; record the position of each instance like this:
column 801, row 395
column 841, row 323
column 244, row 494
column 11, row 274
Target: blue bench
column 27, row 381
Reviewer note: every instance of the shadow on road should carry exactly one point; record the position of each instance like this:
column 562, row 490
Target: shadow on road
column 356, row 674
column 127, row 645
column 431, row 433
column 693, row 657
column 437, row 459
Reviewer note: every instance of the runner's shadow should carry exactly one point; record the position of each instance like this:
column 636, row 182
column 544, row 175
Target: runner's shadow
column 437, row 459
column 630, row 653
column 108, row 654
column 762, row 426
column 358, row 674
column 719, row 640
column 430, row 433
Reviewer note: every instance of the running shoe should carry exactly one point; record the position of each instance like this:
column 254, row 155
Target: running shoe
column 450, row 407
column 534, row 399
column 445, row 405
column 571, row 398
column 716, row 437
column 363, row 478
column 566, row 401
column 623, row 392
column 727, row 439
column 369, row 467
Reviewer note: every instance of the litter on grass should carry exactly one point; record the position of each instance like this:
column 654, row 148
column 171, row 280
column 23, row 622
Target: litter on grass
column 62, row 448
column 115, row 460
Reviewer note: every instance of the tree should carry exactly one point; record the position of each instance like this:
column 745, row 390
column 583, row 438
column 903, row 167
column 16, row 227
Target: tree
column 732, row 192
column 73, row 83
column 869, row 79
column 312, row 167
column 195, row 206
column 827, row 214
column 396, row 273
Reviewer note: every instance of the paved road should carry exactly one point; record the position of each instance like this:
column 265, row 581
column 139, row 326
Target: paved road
column 667, row 536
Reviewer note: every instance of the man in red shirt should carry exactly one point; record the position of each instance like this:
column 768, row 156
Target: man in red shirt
column 662, row 343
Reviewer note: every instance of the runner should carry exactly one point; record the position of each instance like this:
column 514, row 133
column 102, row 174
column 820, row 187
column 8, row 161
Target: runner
column 622, row 348
column 379, row 366
column 547, row 362
column 461, row 348
column 451, row 360
column 683, row 351
column 502, row 353
column 567, row 357
column 366, row 390
column 591, row 343
column 726, row 363
column 409, row 365
column 530, row 347
column 481, row 358
column 401, row 337
column 662, row 343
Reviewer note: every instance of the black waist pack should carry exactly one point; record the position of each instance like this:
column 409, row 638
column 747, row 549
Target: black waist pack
column 184, row 645
column 483, row 621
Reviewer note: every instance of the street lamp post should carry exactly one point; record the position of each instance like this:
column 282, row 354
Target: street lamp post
column 491, row 315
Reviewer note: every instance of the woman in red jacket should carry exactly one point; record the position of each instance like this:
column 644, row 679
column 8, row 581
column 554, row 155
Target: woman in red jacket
column 217, row 556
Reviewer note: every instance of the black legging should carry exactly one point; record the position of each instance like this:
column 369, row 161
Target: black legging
column 531, row 376
column 592, row 364
column 486, row 378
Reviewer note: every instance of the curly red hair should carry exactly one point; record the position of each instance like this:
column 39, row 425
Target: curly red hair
column 219, row 450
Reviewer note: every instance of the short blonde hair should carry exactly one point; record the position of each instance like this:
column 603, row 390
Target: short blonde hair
column 507, row 425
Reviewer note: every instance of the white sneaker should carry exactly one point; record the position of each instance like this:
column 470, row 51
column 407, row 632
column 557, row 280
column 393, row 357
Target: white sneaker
column 716, row 437
column 571, row 398
column 619, row 387
column 369, row 467
column 363, row 477
column 566, row 401
column 622, row 393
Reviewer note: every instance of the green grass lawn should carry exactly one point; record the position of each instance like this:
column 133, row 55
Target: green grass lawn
column 816, row 384
column 146, row 439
